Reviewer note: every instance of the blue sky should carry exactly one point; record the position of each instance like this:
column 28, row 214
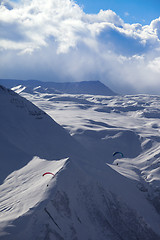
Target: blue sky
column 116, row 42
column 135, row 11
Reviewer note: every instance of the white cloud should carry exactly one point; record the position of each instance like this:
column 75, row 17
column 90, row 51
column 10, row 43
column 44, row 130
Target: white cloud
column 56, row 39
column 155, row 65
column 155, row 25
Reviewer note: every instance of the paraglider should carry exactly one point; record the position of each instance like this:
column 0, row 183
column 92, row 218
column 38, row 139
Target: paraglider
column 115, row 153
column 47, row 173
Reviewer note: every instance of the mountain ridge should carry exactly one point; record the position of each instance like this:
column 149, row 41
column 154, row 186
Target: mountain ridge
column 83, row 87
column 27, row 131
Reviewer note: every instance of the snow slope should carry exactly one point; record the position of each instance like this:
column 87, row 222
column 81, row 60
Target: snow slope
column 27, row 135
column 28, row 131
column 25, row 188
column 90, row 204
column 94, row 194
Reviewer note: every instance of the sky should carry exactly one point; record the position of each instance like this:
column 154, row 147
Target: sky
column 115, row 42
column 137, row 11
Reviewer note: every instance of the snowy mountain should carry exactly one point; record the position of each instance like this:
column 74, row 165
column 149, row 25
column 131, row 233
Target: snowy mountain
column 84, row 87
column 93, row 194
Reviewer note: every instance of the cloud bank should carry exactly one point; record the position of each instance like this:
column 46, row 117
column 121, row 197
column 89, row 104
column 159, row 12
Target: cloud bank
column 55, row 40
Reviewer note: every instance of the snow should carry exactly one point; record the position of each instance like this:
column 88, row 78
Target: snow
column 94, row 195
column 26, row 187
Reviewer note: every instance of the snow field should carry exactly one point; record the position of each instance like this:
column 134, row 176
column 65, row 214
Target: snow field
column 95, row 195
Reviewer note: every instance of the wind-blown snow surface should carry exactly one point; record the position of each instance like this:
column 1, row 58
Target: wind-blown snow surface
column 93, row 195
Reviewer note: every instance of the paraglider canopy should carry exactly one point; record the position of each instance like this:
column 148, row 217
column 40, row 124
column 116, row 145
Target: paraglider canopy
column 47, row 173
column 115, row 153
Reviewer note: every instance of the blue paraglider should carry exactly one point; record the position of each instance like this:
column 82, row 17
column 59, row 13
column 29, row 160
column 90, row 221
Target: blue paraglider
column 120, row 153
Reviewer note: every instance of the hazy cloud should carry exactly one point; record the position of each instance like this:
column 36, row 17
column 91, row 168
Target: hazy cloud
column 55, row 40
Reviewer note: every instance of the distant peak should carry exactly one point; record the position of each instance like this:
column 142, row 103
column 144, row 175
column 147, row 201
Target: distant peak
column 95, row 87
